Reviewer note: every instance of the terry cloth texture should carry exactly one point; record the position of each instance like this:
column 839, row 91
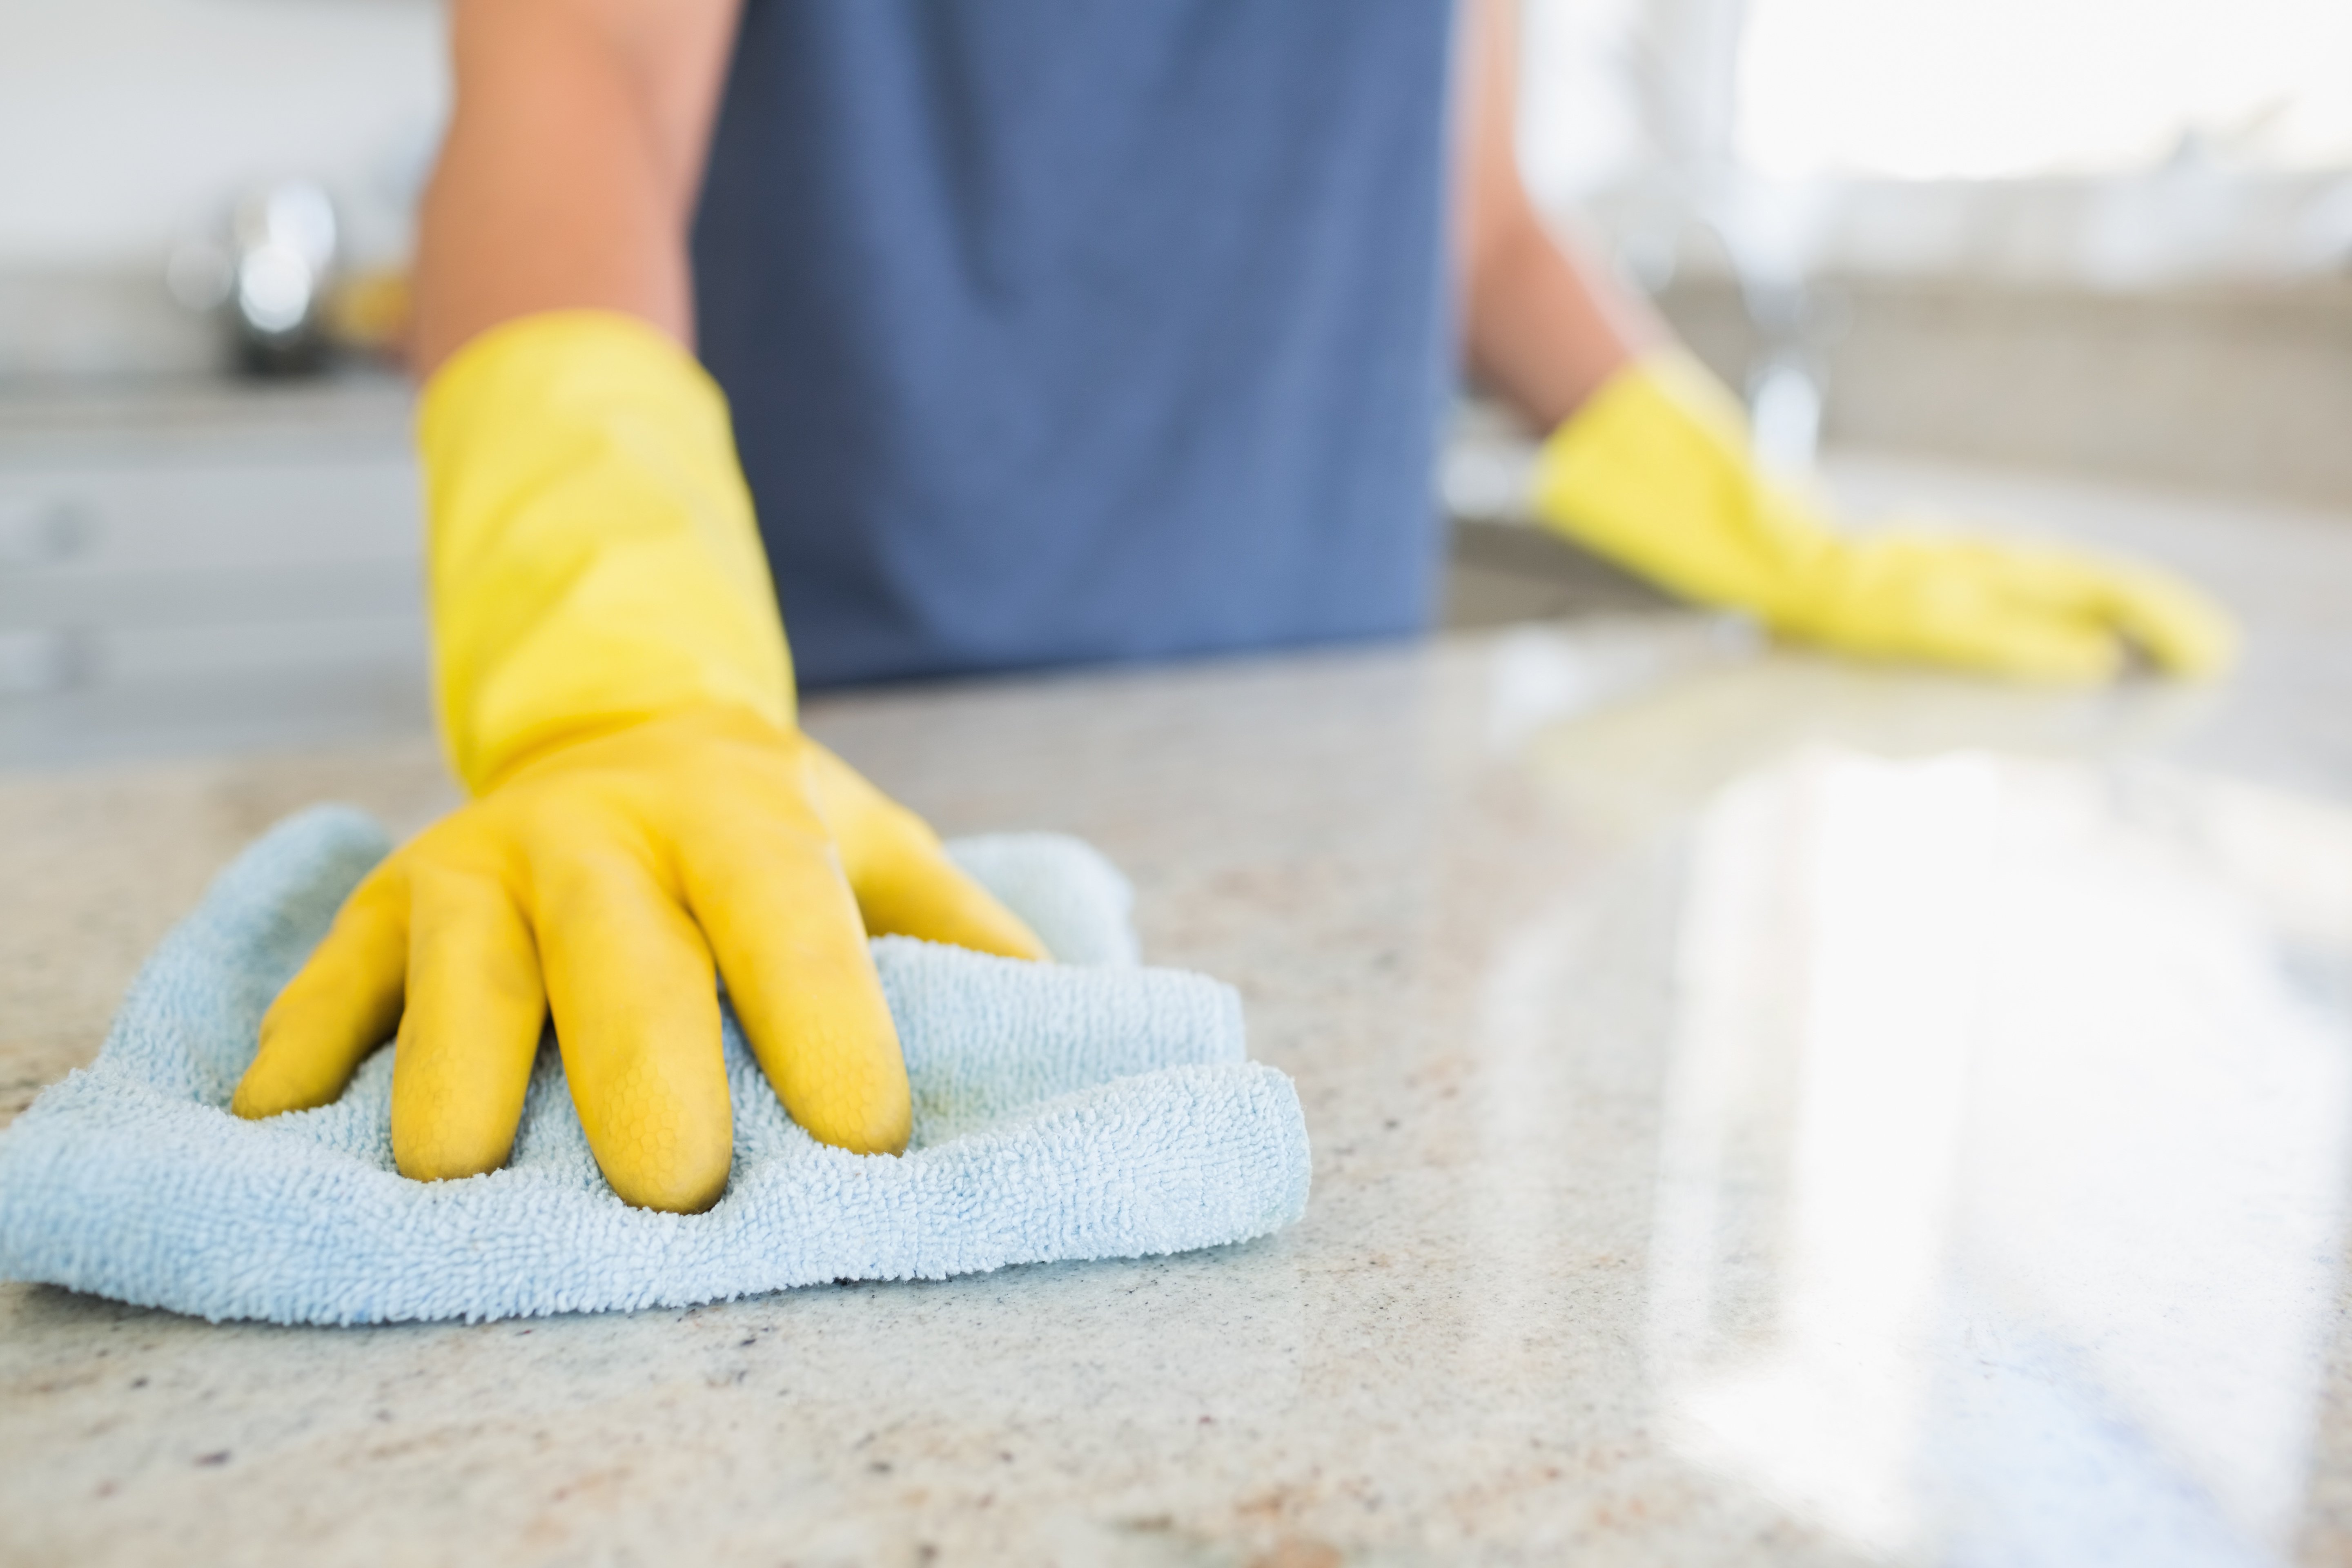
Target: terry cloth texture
column 1091, row 1109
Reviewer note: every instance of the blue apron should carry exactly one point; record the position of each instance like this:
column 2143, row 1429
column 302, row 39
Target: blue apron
column 1065, row 331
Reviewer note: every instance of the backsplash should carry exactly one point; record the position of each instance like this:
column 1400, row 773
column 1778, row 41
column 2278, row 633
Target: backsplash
column 2246, row 391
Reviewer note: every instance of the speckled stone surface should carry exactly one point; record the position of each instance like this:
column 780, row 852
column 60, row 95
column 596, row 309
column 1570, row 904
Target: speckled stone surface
column 1450, row 882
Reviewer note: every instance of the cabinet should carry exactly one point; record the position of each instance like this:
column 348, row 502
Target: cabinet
column 207, row 568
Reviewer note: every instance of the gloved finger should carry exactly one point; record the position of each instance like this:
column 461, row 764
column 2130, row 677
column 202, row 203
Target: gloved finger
column 636, row 1006
column 2026, row 643
column 339, row 1007
column 2182, row 631
column 2178, row 627
column 904, row 881
column 911, row 888
column 470, row 1030
column 2026, row 573
column 770, row 897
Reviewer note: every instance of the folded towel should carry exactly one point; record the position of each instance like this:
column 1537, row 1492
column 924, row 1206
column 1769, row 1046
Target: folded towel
column 1060, row 1111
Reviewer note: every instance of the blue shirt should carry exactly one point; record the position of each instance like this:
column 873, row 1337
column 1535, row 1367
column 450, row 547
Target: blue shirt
column 1062, row 330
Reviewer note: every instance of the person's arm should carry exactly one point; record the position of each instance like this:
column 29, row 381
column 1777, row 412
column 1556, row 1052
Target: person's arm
column 569, row 172
column 1544, row 326
column 613, row 685
column 1648, row 462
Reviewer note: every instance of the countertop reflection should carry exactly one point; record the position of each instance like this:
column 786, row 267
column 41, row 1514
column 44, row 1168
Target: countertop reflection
column 1764, row 1111
column 2003, row 1156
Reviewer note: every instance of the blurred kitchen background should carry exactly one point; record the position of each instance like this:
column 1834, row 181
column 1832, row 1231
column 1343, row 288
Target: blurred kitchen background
column 2107, row 240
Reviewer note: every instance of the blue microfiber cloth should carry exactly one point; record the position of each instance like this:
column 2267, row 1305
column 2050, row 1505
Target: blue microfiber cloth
column 1088, row 1109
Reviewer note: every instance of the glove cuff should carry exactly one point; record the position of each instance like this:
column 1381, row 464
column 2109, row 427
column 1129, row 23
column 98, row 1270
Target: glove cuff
column 592, row 557
column 1654, row 473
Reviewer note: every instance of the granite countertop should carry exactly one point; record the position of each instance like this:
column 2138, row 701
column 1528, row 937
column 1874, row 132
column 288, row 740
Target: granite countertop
column 1615, row 1253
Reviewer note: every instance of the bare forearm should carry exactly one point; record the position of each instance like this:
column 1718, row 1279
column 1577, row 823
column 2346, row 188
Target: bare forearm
column 570, row 170
column 1545, row 325
column 1548, row 326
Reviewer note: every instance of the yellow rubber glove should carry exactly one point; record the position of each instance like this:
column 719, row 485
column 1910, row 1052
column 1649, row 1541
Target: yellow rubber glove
column 1654, row 473
column 615, row 691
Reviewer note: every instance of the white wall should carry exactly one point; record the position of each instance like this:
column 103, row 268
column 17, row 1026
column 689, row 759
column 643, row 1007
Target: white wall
column 2208, row 140
column 125, row 125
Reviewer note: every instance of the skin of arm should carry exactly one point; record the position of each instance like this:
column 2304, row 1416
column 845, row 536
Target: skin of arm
column 570, row 170
column 1544, row 325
